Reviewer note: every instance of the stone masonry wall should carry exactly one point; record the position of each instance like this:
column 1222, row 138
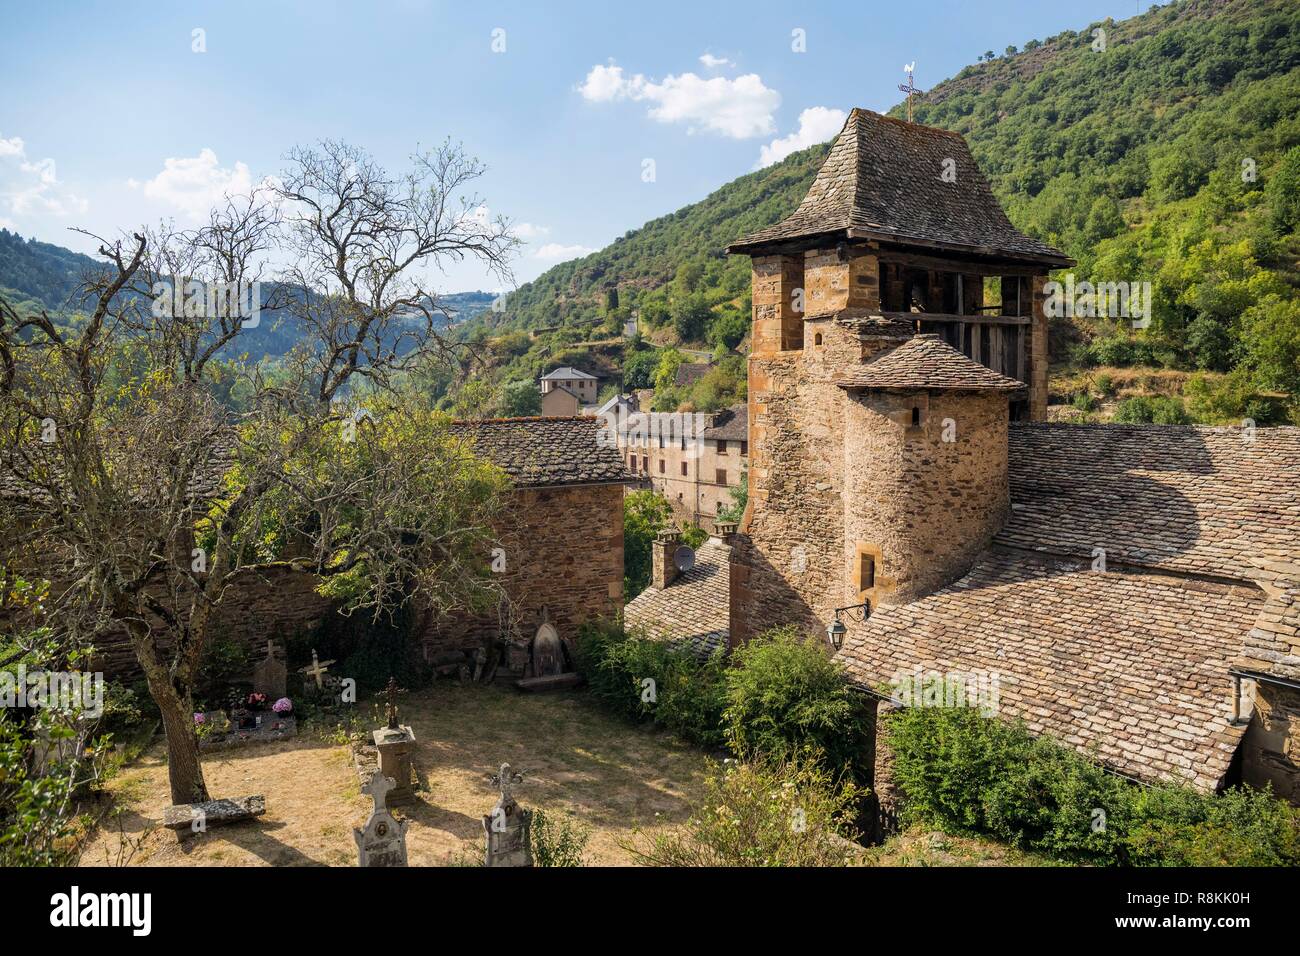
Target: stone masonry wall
column 563, row 552
column 923, row 506
column 1271, row 749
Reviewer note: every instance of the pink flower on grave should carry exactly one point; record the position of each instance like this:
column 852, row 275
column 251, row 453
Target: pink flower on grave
column 282, row 706
column 200, row 719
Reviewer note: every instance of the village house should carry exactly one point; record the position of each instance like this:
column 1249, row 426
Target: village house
column 581, row 385
column 694, row 460
column 1132, row 591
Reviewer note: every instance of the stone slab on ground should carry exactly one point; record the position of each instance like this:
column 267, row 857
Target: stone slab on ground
column 550, row 682
column 214, row 813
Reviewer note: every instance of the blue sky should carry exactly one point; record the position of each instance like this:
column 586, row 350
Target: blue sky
column 109, row 118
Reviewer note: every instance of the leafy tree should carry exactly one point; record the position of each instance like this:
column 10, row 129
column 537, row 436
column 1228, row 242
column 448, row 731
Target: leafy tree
column 645, row 514
column 520, row 398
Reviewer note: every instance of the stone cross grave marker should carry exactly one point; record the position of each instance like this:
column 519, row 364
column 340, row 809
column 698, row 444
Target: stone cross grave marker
column 508, row 826
column 269, row 675
column 316, row 670
column 382, row 841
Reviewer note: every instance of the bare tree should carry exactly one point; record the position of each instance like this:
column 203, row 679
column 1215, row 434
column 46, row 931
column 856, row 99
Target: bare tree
column 149, row 501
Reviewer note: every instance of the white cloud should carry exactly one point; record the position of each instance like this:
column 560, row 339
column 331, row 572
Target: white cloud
column 194, row 184
column 713, row 62
column 527, row 231
column 557, row 252
column 33, row 189
column 739, row 108
column 816, row 125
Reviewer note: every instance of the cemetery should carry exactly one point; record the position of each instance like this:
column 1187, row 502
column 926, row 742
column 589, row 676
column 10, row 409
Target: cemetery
column 326, row 802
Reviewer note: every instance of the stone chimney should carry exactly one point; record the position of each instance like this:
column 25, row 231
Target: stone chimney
column 724, row 530
column 662, row 550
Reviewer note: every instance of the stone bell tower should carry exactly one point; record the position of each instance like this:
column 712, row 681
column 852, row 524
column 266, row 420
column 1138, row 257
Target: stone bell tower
column 856, row 490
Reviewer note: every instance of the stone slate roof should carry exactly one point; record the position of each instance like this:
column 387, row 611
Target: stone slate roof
column 883, row 180
column 688, row 373
column 692, row 612
column 540, row 452
column 730, row 424
column 1127, row 667
column 1273, row 644
column 925, row 362
column 567, row 372
column 1196, row 500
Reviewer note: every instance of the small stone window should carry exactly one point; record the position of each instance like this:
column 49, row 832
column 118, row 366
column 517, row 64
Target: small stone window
column 683, row 469
column 721, row 476
column 645, row 464
column 722, row 448
column 916, row 416
column 663, row 465
column 817, row 339
column 744, row 448
column 866, row 572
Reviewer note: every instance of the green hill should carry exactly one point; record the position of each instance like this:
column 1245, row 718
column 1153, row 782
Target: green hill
column 1163, row 148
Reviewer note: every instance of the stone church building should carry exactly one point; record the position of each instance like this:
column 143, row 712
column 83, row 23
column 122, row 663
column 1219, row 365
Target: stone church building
column 1134, row 590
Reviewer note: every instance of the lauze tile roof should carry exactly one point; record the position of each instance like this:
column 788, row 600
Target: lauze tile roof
column 539, row 452
column 1127, row 667
column 692, row 612
column 884, row 179
column 1139, row 566
column 925, row 362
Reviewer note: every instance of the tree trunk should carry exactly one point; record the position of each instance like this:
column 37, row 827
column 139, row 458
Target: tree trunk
column 184, row 771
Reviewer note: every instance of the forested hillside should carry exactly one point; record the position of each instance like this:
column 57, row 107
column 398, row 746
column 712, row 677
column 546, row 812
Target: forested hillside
column 1163, row 148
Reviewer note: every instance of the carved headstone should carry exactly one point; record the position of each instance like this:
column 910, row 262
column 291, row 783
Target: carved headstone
column 382, row 841
column 395, row 743
column 548, row 652
column 316, row 670
column 270, row 675
column 508, row 826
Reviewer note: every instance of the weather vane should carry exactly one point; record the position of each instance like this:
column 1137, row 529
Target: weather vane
column 910, row 88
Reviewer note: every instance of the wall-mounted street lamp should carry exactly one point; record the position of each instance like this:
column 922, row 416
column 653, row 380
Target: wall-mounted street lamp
column 836, row 629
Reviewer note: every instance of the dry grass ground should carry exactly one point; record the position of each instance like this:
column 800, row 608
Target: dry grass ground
column 610, row 776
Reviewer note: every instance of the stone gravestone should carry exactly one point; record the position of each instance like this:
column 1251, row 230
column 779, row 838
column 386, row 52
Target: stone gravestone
column 395, row 744
column 382, row 841
column 316, row 671
column 270, row 675
column 508, row 826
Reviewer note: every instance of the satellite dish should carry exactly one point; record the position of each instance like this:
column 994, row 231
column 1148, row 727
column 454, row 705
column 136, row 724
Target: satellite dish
column 684, row 558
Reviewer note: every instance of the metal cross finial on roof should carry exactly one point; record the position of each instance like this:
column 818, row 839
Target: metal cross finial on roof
column 910, row 88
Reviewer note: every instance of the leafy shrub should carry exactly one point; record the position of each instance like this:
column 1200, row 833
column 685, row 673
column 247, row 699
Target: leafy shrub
column 685, row 695
column 224, row 665
column 558, row 840
column 962, row 772
column 785, row 695
column 1084, row 402
column 764, row 812
column 1158, row 410
column 1105, row 385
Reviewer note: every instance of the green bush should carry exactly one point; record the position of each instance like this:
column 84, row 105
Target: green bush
column 558, row 840
column 648, row 680
column 1157, row 410
column 764, row 813
column 962, row 772
column 785, row 695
